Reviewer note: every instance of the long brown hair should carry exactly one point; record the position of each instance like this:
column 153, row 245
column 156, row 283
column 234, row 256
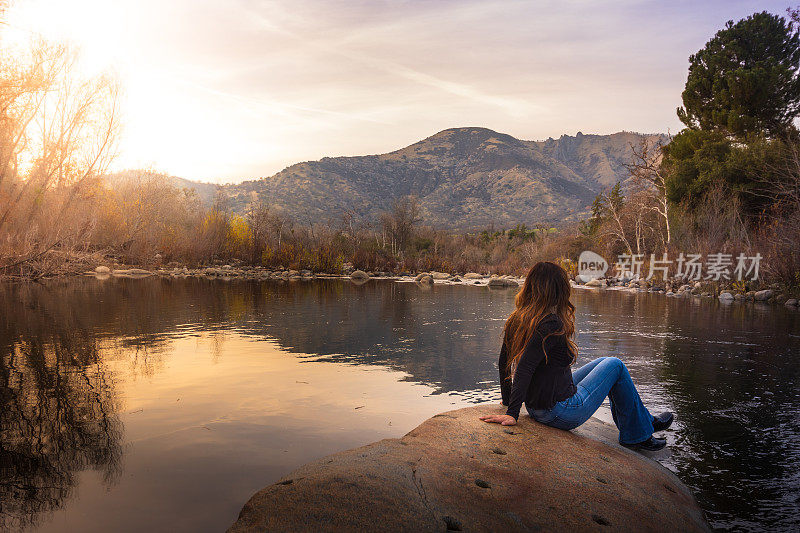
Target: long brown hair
column 546, row 289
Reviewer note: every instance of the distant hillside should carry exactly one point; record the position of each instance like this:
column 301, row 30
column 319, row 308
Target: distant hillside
column 205, row 191
column 599, row 159
column 465, row 178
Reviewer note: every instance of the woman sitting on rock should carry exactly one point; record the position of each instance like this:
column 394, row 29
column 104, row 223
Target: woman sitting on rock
column 538, row 351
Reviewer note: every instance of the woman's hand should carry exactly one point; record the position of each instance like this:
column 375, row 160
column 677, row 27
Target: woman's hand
column 504, row 420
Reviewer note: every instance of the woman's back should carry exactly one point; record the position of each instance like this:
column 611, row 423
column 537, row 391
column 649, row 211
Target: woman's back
column 535, row 367
column 542, row 376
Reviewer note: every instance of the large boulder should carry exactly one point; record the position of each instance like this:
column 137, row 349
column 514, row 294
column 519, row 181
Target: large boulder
column 359, row 274
column 455, row 472
column 473, row 275
column 726, row 296
column 597, row 282
column 102, row 269
column 439, row 275
column 502, row 282
column 762, row 296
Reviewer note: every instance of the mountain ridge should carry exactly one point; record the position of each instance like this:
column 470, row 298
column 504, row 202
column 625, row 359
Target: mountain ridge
column 465, row 178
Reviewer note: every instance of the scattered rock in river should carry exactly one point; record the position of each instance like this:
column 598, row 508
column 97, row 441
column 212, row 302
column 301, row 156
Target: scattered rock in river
column 675, row 288
column 447, row 474
column 502, row 282
column 132, row 272
column 597, row 282
column 762, row 296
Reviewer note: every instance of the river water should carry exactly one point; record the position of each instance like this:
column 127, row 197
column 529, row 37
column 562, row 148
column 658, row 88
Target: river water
column 164, row 404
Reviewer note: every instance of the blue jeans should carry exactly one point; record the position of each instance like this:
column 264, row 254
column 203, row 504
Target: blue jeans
column 605, row 376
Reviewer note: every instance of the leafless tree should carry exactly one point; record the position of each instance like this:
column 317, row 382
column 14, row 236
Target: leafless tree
column 648, row 176
column 260, row 219
column 398, row 224
column 613, row 207
column 58, row 133
column 281, row 223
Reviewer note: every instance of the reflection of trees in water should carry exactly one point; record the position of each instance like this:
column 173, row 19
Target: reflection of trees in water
column 440, row 337
column 58, row 340
column 383, row 323
column 57, row 411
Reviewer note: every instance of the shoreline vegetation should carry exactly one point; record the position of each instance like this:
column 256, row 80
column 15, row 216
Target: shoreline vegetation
column 727, row 183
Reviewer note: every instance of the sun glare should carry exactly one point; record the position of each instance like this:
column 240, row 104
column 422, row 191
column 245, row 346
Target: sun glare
column 165, row 124
column 95, row 27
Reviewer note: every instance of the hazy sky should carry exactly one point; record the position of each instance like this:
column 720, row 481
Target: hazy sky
column 234, row 89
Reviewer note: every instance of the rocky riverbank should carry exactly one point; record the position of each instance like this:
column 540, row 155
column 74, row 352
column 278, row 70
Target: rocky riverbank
column 726, row 292
column 228, row 272
column 457, row 473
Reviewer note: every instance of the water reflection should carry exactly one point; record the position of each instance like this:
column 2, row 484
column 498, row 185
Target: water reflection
column 216, row 366
column 57, row 408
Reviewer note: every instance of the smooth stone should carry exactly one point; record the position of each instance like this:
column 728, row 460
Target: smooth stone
column 726, row 296
column 439, row 275
column 102, row 270
column 597, row 282
column 502, row 282
column 762, row 296
column 359, row 274
column 132, row 272
column 791, row 302
column 455, row 471
column 473, row 275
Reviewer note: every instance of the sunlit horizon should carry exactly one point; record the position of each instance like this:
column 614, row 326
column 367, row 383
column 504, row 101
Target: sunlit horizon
column 228, row 91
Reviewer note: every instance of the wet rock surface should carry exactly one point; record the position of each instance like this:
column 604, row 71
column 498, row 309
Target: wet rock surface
column 455, row 472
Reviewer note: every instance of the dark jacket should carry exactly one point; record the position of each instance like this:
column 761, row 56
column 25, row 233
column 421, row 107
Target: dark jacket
column 539, row 383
